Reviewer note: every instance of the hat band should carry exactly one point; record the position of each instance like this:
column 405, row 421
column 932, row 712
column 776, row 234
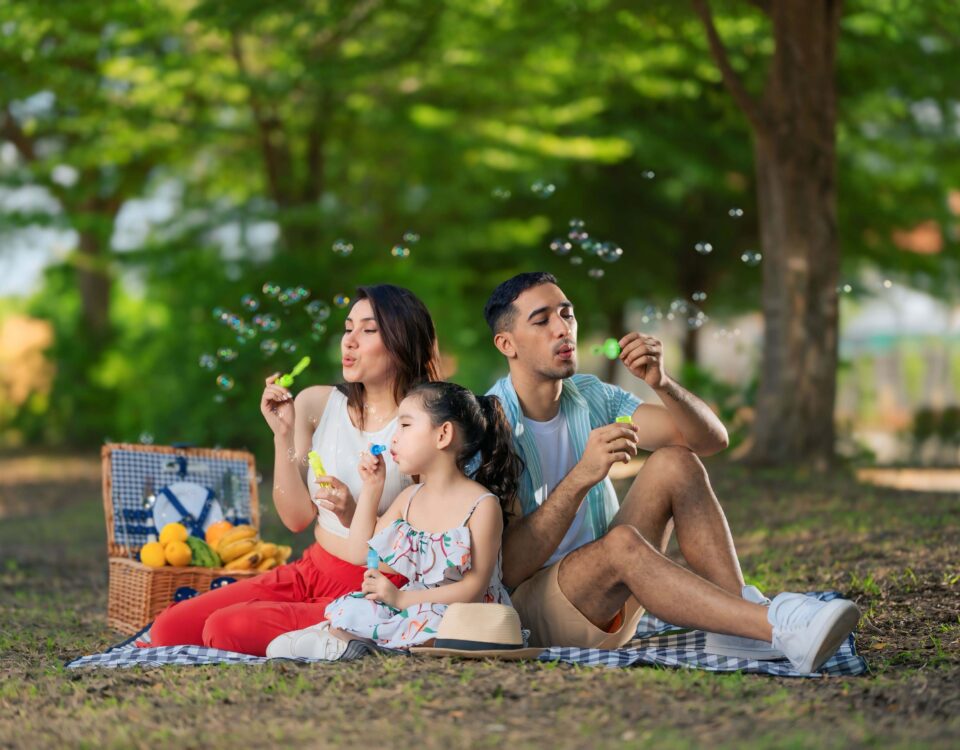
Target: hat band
column 474, row 645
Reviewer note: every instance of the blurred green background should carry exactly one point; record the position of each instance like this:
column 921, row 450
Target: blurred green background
column 160, row 160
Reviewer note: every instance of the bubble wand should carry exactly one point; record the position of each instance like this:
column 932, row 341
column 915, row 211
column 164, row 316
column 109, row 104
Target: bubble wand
column 286, row 380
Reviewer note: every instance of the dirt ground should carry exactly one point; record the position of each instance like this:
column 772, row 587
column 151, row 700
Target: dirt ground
column 895, row 550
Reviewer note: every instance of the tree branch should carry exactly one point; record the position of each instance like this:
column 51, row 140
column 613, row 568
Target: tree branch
column 10, row 130
column 750, row 107
column 763, row 5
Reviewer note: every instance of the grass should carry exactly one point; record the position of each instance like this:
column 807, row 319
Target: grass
column 897, row 553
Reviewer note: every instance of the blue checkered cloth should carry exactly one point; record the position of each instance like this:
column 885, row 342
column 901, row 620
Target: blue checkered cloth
column 659, row 644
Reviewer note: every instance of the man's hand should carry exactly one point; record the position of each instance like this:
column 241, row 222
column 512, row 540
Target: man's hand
column 379, row 588
column 643, row 356
column 606, row 446
column 336, row 497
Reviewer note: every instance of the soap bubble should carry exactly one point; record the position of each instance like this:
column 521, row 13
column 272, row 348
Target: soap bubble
column 578, row 235
column 578, row 224
column 317, row 330
column 576, row 261
column 500, row 193
column 249, row 302
column 736, row 213
column 698, row 296
column 648, row 174
column 751, row 258
column 704, row 248
column 543, row 189
column 268, row 347
column 318, row 310
column 411, row 238
column 227, row 354
column 341, row 300
column 218, row 313
column 146, row 438
column 845, row 288
column 267, row 323
column 208, row 362
column 289, row 346
column 610, row 252
column 271, row 290
column 224, row 382
column 342, row 248
column 595, row 273
column 400, row 251
column 887, row 283
column 219, row 398
column 560, row 246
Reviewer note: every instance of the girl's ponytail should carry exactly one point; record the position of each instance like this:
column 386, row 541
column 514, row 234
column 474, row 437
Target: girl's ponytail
column 500, row 466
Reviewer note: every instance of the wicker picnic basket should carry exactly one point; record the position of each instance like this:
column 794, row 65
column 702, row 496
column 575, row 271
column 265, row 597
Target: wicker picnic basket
column 138, row 593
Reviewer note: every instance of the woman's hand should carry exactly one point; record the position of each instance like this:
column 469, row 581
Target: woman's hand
column 336, row 497
column 378, row 587
column 373, row 470
column 276, row 405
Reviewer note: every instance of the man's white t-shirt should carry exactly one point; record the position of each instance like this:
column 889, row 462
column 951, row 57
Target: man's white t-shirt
column 556, row 459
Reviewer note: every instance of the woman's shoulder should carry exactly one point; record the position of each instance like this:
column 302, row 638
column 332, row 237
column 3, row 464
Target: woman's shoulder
column 314, row 398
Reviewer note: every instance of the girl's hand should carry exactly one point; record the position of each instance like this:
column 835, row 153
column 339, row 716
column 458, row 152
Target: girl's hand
column 276, row 405
column 378, row 587
column 336, row 497
column 373, row 469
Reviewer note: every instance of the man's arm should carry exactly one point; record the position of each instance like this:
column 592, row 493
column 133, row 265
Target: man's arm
column 529, row 541
column 683, row 420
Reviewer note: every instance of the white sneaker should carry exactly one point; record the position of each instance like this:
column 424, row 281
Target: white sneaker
column 315, row 642
column 744, row 648
column 808, row 630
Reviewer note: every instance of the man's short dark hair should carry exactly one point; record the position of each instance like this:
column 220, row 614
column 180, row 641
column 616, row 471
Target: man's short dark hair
column 499, row 310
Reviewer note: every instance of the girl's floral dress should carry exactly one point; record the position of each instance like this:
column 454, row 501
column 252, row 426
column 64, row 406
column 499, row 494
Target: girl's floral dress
column 427, row 560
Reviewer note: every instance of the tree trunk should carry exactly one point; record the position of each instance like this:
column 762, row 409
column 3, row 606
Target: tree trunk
column 93, row 282
column 794, row 132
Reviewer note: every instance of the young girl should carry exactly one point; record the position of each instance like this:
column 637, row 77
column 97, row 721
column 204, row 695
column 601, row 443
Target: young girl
column 442, row 534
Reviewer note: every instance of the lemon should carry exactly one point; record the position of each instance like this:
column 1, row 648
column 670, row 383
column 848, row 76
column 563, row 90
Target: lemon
column 152, row 554
column 178, row 554
column 173, row 532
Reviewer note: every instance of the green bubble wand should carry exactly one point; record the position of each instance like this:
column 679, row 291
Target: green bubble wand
column 286, row 380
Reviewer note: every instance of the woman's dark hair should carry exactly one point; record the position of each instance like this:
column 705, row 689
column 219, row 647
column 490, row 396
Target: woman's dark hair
column 484, row 429
column 409, row 337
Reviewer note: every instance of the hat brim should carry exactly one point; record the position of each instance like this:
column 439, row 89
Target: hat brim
column 509, row 654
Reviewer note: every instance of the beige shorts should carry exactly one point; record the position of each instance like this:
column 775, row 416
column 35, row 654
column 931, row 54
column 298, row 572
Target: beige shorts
column 554, row 621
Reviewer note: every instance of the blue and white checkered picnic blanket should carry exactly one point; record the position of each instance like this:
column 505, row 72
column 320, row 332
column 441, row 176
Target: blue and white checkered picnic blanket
column 660, row 644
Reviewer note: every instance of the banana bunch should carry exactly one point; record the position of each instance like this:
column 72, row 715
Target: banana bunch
column 240, row 548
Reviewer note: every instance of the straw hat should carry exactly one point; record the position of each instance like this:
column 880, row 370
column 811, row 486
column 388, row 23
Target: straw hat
column 478, row 631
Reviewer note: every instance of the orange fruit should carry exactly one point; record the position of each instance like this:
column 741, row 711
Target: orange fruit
column 215, row 531
column 178, row 554
column 151, row 554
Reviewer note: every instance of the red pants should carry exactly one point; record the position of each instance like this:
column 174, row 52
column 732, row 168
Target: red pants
column 245, row 616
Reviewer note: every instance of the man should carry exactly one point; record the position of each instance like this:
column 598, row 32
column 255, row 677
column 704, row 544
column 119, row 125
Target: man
column 583, row 569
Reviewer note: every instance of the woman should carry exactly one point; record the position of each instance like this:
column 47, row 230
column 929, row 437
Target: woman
column 389, row 345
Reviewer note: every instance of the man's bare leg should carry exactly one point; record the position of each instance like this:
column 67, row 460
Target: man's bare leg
column 672, row 491
column 598, row 578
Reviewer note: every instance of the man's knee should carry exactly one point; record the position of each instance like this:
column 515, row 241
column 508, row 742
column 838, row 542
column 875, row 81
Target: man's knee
column 676, row 463
column 625, row 542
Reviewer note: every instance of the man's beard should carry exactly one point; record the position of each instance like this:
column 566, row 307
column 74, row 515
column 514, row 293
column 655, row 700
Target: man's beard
column 559, row 372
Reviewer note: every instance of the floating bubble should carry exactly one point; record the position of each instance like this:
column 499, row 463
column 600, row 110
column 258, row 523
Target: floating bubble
column 500, row 193
column 341, row 300
column 578, row 235
column 887, row 283
column 704, row 248
column 576, row 261
column 400, row 251
column 590, row 247
column 271, row 290
column 250, row 302
column 698, row 296
column 543, row 189
column 560, row 246
column 595, row 273
column 289, row 346
column 224, row 382
column 648, row 174
column 696, row 322
column 208, row 362
column 302, row 292
column 269, row 347
column 318, row 329
column 267, row 323
column 845, row 288
column 610, row 252
column 219, row 398
column 318, row 310
column 249, row 333
column 751, row 258
column 342, row 248
column 218, row 313
column 578, row 224
column 736, row 213
column 411, row 238
column 146, row 438
column 227, row 354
